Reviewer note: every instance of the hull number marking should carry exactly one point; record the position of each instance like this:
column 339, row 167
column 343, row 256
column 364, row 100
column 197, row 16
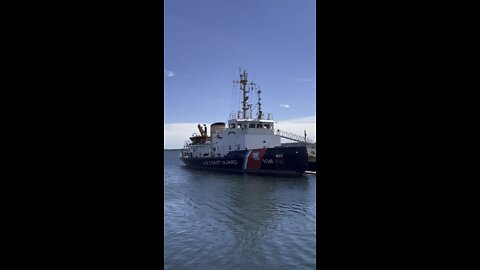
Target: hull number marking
column 268, row 161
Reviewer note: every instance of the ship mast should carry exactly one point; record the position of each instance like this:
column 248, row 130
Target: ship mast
column 243, row 87
column 260, row 113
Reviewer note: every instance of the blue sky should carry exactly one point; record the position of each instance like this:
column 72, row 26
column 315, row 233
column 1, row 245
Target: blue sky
column 207, row 41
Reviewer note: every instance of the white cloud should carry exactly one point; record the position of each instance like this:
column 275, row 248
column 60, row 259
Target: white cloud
column 285, row 105
column 308, row 119
column 176, row 134
column 298, row 126
column 168, row 73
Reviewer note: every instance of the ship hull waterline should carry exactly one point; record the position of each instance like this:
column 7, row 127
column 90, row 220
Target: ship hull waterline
column 279, row 160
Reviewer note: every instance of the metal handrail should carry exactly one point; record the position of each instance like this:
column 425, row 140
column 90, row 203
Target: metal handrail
column 293, row 137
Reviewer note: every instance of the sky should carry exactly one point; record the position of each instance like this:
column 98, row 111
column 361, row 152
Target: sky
column 205, row 43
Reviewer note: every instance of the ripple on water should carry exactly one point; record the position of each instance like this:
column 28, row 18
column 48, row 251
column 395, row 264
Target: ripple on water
column 233, row 221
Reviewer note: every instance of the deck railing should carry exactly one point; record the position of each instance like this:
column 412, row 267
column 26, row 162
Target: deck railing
column 293, row 137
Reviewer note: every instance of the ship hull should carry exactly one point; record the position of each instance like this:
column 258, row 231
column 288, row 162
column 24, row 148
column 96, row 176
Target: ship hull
column 279, row 160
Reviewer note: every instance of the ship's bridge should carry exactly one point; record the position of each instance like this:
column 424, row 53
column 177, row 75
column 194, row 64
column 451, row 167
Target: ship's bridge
column 253, row 126
column 245, row 134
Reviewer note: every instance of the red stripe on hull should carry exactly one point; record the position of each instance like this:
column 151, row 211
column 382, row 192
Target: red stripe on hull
column 255, row 160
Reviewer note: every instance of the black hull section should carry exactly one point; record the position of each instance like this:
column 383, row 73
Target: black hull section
column 312, row 166
column 280, row 160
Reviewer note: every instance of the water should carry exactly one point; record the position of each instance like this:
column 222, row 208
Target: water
column 215, row 220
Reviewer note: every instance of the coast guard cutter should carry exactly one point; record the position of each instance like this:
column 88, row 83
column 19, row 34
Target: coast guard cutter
column 245, row 144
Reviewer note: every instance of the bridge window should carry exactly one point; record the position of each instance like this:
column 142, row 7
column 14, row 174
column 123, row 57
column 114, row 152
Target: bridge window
column 267, row 126
column 259, row 126
column 251, row 126
column 231, row 126
column 239, row 126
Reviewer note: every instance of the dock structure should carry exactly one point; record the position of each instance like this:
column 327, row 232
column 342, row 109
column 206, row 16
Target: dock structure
column 293, row 137
column 311, row 145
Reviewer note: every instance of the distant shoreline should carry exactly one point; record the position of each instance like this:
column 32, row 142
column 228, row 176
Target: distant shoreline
column 172, row 149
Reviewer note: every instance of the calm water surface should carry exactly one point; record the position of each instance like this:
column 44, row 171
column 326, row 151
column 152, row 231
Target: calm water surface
column 216, row 220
